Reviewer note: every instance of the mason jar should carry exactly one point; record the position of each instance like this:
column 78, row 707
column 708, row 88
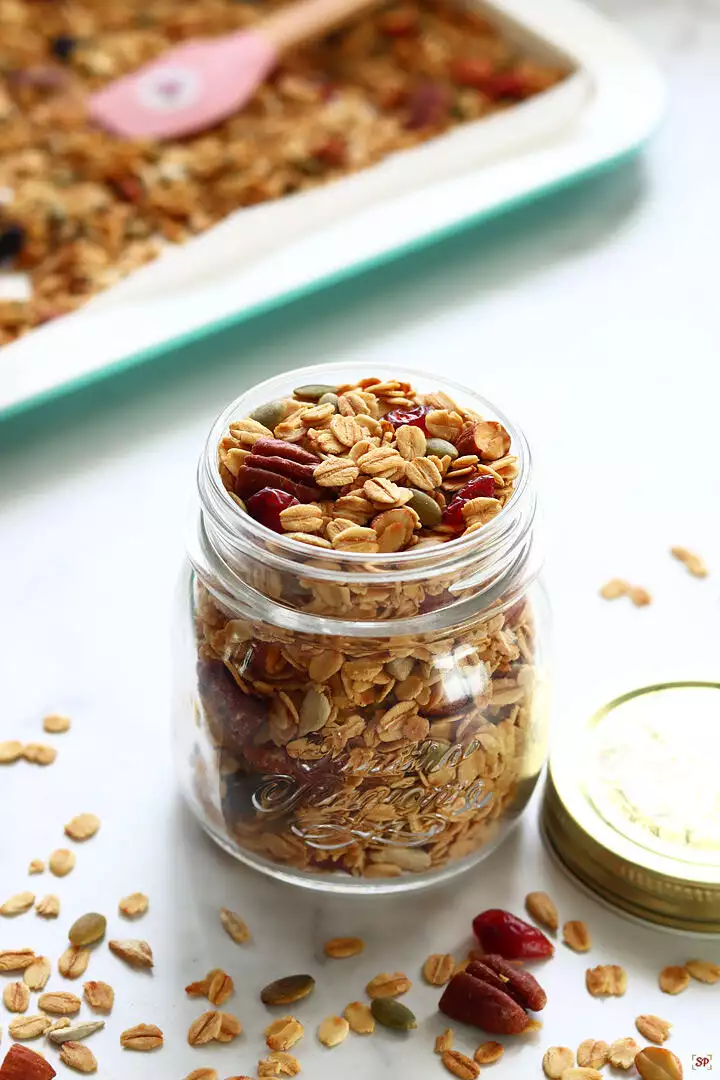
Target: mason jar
column 348, row 717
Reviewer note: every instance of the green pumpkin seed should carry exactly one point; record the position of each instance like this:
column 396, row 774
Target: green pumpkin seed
column 270, row 414
column 441, row 448
column 329, row 399
column 286, row 991
column 313, row 391
column 87, row 929
column 426, row 508
column 393, row 1014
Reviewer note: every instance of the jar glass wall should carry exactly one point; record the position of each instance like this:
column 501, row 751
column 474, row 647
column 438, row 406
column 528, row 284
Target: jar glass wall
column 361, row 720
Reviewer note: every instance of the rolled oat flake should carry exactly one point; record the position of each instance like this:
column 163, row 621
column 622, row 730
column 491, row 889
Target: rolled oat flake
column 632, row 804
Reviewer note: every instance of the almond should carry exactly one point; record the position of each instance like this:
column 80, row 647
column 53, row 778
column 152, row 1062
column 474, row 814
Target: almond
column 541, row 908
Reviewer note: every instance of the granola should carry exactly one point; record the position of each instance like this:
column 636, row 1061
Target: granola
column 89, row 208
column 374, row 756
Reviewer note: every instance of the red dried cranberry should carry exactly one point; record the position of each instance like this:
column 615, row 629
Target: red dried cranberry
column 481, row 486
column 415, row 416
column 429, row 104
column 504, row 933
column 265, row 506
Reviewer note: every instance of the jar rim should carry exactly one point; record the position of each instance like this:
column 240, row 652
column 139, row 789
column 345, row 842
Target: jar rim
column 232, row 519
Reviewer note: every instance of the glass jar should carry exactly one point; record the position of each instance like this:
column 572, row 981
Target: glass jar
column 351, row 721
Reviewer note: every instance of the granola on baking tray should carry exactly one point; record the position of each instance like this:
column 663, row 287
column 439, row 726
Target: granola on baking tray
column 80, row 209
column 374, row 755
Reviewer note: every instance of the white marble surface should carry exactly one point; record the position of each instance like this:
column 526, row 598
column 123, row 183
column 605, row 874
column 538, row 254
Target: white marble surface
column 591, row 318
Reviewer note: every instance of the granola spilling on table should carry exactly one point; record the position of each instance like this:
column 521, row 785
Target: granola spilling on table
column 83, row 208
column 376, row 756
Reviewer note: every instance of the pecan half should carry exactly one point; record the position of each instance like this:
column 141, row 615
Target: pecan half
column 472, row 1001
column 520, row 985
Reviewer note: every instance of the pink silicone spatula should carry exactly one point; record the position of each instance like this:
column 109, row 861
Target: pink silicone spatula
column 197, row 84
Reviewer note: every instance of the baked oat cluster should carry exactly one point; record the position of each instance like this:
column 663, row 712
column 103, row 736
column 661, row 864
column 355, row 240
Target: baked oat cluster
column 80, row 208
column 380, row 755
column 371, row 467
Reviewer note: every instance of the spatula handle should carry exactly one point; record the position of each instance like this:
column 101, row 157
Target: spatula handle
column 307, row 19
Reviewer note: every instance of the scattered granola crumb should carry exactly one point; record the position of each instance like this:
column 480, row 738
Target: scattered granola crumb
column 622, row 1053
column 593, row 1053
column 445, row 1041
column 333, row 1030
column 460, row 1065
column 692, row 562
column 286, row 1064
column 556, row 1060
column 73, row 962
column 11, row 750
column 29, row 1027
column 204, row 1029
column 16, row 959
column 655, row 1063
column 48, row 907
column 56, row 725
column 385, row 985
column 82, row 827
column 99, row 996
column 360, row 1018
column 489, row 1052
column 17, row 904
column 640, row 596
column 439, row 969
column 36, row 866
column 16, row 997
column 133, row 952
column 577, row 936
column 134, row 905
column 283, row 1033
column 234, row 926
column 606, row 980
column 230, row 1028
column 219, row 986
column 37, row 974
column 202, row 1074
column 532, row 1027
column 142, row 1037
column 674, row 979
column 341, row 948
column 78, row 1056
column 703, row 970
column 541, row 908
column 61, row 862
column 39, row 753
column 614, row 589
column 653, row 1028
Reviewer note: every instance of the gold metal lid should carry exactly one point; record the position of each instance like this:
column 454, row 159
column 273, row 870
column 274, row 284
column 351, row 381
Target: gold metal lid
column 632, row 804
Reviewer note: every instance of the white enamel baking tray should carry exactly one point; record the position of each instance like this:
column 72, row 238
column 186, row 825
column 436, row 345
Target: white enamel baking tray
column 264, row 256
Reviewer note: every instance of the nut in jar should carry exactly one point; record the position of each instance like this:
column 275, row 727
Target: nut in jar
column 365, row 661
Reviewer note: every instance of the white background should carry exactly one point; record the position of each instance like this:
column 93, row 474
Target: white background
column 592, row 320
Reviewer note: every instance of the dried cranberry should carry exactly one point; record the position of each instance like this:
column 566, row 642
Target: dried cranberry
column 504, row 933
column 481, row 486
column 415, row 416
column 429, row 104
column 265, row 506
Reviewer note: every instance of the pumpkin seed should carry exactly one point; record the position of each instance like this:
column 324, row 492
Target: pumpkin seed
column 329, row 399
column 287, row 990
column 75, row 1032
column 441, row 448
column 270, row 414
column 393, row 1014
column 426, row 508
column 87, row 929
column 313, row 391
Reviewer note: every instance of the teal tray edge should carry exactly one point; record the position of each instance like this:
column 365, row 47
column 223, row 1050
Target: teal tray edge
column 327, row 281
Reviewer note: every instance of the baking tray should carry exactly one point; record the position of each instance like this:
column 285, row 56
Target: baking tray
column 262, row 257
